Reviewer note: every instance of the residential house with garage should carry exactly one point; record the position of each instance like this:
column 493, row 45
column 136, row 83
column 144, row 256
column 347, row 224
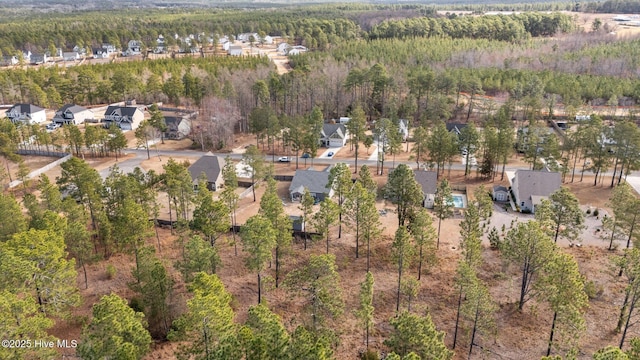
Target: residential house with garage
column 178, row 127
column 72, row 114
column 530, row 187
column 126, row 117
column 211, row 166
column 333, row 135
column 315, row 181
column 26, row 113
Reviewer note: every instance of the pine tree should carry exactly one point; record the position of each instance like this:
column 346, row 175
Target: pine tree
column 418, row 334
column 326, row 217
column 115, row 331
column 402, row 253
column 365, row 310
column 423, row 233
column 404, row 191
column 258, row 240
column 340, row 182
column 198, row 256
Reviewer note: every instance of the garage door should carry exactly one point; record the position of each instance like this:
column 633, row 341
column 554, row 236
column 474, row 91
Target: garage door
column 125, row 126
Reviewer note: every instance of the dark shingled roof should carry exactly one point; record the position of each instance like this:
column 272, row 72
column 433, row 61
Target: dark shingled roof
column 530, row 183
column 72, row 108
column 210, row 164
column 121, row 110
column 27, row 108
column 315, row 181
column 330, row 129
column 428, row 180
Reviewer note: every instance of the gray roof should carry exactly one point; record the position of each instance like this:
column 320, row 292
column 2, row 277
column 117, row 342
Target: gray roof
column 315, row 181
column 428, row 180
column 173, row 120
column 121, row 110
column 457, row 127
column 72, row 108
column 330, row 129
column 497, row 188
column 26, row 108
column 529, row 183
column 210, row 164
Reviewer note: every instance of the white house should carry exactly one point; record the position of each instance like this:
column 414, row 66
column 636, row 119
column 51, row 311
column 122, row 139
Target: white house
column 283, row 47
column 9, row 60
column 126, row 117
column 226, row 45
column 530, row 187
column 37, row 59
column 178, row 127
column 235, row 50
column 333, row 135
column 26, row 113
column 72, row 114
column 268, row 40
column 428, row 181
column 134, row 47
column 71, row 56
column 297, row 50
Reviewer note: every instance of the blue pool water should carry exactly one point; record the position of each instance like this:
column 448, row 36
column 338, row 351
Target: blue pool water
column 458, row 200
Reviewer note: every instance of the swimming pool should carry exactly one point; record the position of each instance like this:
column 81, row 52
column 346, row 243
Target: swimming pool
column 458, row 200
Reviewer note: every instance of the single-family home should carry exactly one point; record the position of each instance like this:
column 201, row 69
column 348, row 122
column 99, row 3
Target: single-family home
column 70, row 56
column 226, row 45
column 26, row 113
column 428, row 181
column 283, row 47
column 126, row 117
column 297, row 50
column 455, row 128
column 530, row 187
column 80, row 50
column 72, row 114
column 500, row 193
column 211, row 166
column 315, row 181
column 267, row 40
column 178, row 127
column 9, row 60
column 333, row 135
column 37, row 59
column 134, row 47
column 248, row 37
column 235, row 50
column 26, row 56
column 223, row 39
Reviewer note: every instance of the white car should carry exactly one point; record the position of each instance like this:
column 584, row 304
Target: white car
column 284, row 159
column 52, row 126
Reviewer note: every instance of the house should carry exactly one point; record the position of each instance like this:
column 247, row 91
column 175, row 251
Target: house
column 178, row 127
column 248, row 37
column 9, row 60
column 37, row 59
column 26, row 56
column 333, row 135
column 297, row 50
column 344, row 120
column 72, row 114
column 403, row 127
column 211, row 166
column 226, row 45
column 455, row 128
column 268, row 40
column 428, row 181
column 315, row 181
column 26, row 113
column 283, row 47
column 126, row 117
column 70, row 56
column 80, row 50
column 530, row 187
column 235, row 50
column 134, row 47
column 103, row 52
column 500, row 193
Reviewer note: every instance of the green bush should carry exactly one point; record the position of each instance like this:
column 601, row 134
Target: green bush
column 592, row 290
column 369, row 355
column 111, row 271
column 136, row 304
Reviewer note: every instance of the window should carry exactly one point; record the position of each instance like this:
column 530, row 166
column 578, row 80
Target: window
column 522, row 203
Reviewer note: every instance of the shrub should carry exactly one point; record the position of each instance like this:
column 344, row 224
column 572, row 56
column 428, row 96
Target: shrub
column 494, row 239
column 588, row 211
column 596, row 212
column 592, row 290
column 136, row 304
column 111, row 271
column 369, row 355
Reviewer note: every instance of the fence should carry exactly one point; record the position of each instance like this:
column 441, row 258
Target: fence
column 63, row 157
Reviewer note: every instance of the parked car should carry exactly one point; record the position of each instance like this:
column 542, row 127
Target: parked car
column 306, row 156
column 330, row 154
column 284, row 159
column 52, row 126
